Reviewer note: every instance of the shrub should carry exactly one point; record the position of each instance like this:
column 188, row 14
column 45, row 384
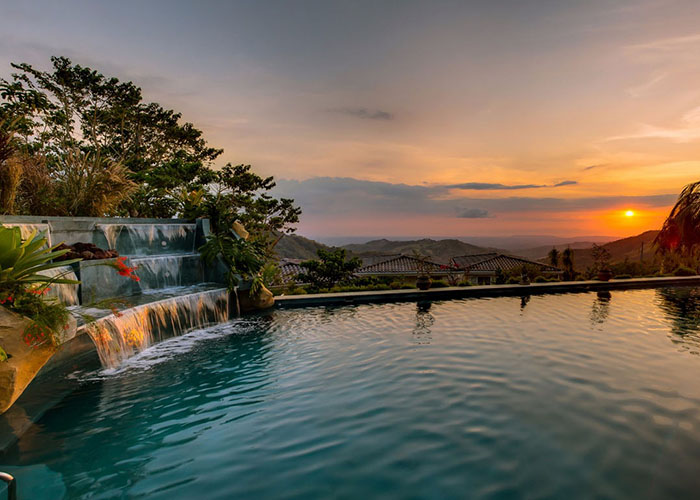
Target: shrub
column 623, row 277
column 684, row 271
column 331, row 268
column 540, row 279
column 464, row 283
column 397, row 285
column 439, row 284
column 513, row 281
column 22, row 261
column 297, row 291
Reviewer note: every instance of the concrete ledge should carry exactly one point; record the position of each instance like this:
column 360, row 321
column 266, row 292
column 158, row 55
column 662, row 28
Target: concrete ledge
column 330, row 299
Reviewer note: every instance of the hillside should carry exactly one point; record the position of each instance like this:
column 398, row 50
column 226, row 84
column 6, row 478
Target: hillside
column 293, row 246
column 619, row 250
column 439, row 250
column 540, row 252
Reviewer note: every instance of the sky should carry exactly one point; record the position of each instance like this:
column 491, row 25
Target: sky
column 403, row 118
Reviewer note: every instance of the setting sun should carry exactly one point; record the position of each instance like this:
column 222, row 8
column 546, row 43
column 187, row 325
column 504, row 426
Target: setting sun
column 629, row 213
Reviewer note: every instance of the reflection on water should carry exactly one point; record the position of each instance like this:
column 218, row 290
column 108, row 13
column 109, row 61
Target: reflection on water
column 601, row 307
column 682, row 308
column 524, row 301
column 148, row 410
column 424, row 320
column 574, row 399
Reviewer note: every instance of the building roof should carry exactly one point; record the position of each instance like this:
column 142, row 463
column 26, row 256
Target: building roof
column 464, row 261
column 493, row 262
column 371, row 259
column 290, row 268
column 403, row 264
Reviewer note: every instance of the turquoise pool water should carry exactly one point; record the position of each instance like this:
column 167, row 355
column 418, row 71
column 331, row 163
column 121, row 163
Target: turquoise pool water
column 565, row 396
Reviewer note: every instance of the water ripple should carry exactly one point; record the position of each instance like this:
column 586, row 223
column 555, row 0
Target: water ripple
column 565, row 396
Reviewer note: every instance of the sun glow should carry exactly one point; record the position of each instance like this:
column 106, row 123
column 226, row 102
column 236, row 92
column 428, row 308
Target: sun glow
column 629, row 213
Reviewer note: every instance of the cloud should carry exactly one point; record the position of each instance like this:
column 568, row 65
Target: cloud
column 591, row 167
column 364, row 113
column 666, row 44
column 486, row 186
column 688, row 132
column 473, row 213
column 330, row 197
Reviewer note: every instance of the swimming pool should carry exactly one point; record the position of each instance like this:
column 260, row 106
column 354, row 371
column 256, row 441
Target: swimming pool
column 562, row 396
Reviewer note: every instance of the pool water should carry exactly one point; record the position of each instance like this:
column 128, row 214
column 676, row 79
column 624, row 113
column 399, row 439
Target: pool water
column 563, row 396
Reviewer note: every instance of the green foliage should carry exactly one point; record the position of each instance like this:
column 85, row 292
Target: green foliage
column 243, row 259
column 439, row 284
column 74, row 108
column 540, row 279
column 684, row 271
column 3, row 355
column 567, row 260
column 236, row 194
column 681, row 230
column 398, row 285
column 21, row 262
column 601, row 258
column 464, row 283
column 331, row 268
column 46, row 314
column 553, row 257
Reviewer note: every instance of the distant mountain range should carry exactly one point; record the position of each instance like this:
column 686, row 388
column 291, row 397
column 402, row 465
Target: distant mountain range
column 441, row 250
column 511, row 243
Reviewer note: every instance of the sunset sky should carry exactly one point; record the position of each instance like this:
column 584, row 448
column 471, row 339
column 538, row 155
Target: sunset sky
column 415, row 118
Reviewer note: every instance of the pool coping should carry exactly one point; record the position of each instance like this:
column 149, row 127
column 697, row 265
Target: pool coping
column 455, row 292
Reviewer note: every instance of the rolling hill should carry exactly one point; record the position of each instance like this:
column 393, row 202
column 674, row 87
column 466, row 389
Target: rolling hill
column 438, row 250
column 619, row 250
column 293, row 246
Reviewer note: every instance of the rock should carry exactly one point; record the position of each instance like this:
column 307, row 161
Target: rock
column 247, row 303
column 17, row 372
column 240, row 230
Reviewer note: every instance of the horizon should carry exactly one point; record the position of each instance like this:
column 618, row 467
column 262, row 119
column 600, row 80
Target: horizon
column 475, row 118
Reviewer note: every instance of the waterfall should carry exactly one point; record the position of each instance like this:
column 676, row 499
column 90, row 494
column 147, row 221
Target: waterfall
column 149, row 239
column 166, row 271
column 121, row 335
column 68, row 294
column 27, row 229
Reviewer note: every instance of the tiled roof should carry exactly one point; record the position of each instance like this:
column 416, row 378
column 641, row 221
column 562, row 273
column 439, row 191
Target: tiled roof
column 403, row 264
column 464, row 261
column 493, row 262
column 368, row 260
column 290, row 268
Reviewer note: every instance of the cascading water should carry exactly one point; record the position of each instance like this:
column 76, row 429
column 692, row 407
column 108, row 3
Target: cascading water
column 123, row 334
column 166, row 271
column 68, row 294
column 27, row 229
column 149, row 239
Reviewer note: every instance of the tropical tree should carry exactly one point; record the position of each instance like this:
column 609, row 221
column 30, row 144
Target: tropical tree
column 331, row 268
column 567, row 260
column 74, row 108
column 553, row 257
column 681, row 230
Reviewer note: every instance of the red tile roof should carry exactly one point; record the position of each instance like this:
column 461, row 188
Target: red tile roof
column 493, row 262
column 402, row 264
